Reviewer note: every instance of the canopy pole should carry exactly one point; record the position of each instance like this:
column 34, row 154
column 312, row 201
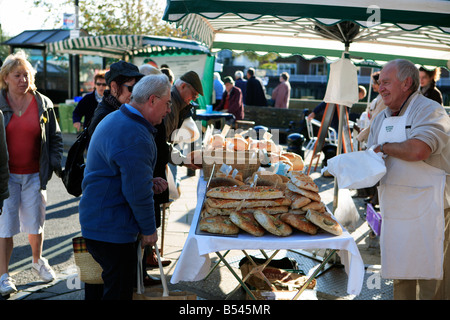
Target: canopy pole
column 340, row 136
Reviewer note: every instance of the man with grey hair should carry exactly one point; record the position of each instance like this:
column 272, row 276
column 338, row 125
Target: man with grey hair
column 186, row 89
column 413, row 133
column 118, row 187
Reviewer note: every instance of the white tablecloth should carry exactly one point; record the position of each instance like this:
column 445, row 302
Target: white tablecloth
column 194, row 262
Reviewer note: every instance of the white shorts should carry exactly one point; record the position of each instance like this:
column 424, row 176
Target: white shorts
column 24, row 210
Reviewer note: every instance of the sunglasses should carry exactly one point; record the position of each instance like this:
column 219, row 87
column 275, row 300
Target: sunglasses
column 101, row 84
column 130, row 88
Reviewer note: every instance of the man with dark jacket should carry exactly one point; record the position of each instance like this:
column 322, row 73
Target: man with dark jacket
column 256, row 93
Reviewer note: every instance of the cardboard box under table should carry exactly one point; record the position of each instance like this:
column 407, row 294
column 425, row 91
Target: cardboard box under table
column 194, row 263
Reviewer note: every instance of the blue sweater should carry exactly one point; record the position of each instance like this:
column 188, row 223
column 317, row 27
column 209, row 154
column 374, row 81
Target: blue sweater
column 117, row 200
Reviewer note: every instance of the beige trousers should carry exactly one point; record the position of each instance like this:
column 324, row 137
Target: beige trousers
column 428, row 289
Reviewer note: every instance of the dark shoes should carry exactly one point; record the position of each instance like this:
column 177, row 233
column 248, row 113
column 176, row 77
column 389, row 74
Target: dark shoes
column 151, row 281
column 152, row 261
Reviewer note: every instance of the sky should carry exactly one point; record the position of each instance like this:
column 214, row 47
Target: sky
column 19, row 15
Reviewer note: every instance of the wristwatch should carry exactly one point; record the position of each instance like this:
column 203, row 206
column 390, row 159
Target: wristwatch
column 381, row 147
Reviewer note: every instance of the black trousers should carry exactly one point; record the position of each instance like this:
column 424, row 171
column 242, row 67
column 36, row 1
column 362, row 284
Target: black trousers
column 119, row 264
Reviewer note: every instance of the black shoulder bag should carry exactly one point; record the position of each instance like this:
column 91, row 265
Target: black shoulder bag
column 73, row 173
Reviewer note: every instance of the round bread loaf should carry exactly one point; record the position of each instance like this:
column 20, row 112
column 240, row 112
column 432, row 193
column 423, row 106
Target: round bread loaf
column 324, row 221
column 296, row 160
column 218, row 224
column 247, row 222
column 239, row 144
column 217, row 141
column 272, row 223
column 299, row 222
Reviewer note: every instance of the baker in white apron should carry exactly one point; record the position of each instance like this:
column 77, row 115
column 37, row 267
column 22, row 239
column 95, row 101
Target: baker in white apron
column 412, row 206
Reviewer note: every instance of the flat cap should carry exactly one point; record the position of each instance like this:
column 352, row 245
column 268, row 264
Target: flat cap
column 122, row 68
column 193, row 79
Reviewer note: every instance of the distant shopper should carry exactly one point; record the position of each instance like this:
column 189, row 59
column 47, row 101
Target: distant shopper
column 281, row 94
column 256, row 93
column 428, row 79
column 86, row 107
column 241, row 83
column 232, row 99
column 219, row 88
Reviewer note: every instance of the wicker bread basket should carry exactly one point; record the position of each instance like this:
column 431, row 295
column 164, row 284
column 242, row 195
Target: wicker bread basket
column 246, row 162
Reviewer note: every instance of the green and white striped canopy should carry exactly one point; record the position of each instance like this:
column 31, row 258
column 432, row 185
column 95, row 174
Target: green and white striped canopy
column 119, row 46
column 378, row 30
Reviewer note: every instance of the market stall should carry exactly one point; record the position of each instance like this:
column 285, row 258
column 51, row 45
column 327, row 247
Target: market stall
column 253, row 195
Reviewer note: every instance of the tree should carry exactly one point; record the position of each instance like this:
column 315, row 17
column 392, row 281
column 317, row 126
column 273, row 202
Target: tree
column 139, row 17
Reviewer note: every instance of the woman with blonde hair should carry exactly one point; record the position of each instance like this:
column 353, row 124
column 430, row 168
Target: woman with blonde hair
column 35, row 149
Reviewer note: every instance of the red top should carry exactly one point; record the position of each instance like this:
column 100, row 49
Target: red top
column 23, row 137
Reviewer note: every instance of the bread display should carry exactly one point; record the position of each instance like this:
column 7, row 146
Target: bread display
column 265, row 201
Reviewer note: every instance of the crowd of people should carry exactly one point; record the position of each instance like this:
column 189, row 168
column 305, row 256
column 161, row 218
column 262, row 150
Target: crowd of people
column 131, row 116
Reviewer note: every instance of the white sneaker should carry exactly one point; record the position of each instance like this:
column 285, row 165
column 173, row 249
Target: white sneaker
column 43, row 270
column 7, row 285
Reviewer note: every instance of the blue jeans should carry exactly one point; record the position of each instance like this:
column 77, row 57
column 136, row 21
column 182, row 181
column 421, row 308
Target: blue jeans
column 119, row 264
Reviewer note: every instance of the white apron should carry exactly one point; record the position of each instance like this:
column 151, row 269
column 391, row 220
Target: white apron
column 411, row 198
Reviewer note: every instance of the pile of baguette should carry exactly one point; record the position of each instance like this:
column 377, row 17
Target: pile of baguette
column 272, row 203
